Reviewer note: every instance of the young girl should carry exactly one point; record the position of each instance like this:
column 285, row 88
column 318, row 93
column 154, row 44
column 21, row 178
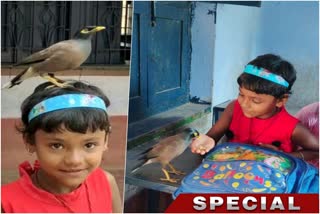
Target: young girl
column 259, row 116
column 67, row 129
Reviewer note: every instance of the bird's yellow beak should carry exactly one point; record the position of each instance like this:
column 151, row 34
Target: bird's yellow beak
column 96, row 29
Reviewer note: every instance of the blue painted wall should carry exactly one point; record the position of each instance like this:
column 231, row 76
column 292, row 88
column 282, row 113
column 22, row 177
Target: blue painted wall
column 290, row 29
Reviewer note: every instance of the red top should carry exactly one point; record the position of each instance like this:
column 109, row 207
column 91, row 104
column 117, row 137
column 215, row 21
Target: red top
column 94, row 195
column 254, row 130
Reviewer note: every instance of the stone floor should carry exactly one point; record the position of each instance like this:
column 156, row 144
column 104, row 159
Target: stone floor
column 13, row 151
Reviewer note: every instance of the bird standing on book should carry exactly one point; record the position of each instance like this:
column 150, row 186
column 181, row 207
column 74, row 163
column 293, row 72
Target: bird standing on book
column 64, row 55
column 166, row 150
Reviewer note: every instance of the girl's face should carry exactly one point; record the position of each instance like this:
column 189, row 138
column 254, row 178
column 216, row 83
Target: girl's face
column 67, row 158
column 258, row 105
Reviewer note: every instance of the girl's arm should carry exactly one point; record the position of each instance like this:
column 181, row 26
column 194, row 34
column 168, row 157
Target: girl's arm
column 204, row 143
column 301, row 136
column 222, row 125
column 116, row 200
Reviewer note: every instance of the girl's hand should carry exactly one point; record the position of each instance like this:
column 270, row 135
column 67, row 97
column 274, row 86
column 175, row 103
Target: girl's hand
column 202, row 144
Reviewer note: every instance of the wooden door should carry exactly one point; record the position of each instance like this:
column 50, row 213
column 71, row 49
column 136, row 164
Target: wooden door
column 160, row 68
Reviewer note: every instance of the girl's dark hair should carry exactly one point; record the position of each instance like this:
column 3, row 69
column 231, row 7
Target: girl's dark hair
column 275, row 64
column 78, row 120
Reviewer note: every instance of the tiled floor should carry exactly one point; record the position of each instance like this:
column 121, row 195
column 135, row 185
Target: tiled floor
column 13, row 151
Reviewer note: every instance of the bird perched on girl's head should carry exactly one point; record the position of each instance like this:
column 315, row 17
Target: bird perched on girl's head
column 61, row 56
column 166, row 150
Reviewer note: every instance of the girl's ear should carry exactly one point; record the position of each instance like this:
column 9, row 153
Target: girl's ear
column 282, row 101
column 29, row 144
column 106, row 142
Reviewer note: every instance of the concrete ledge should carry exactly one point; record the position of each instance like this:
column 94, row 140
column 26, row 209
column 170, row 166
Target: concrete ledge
column 165, row 123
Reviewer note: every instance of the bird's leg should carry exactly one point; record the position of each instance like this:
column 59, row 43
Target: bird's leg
column 58, row 80
column 171, row 180
column 174, row 171
column 55, row 81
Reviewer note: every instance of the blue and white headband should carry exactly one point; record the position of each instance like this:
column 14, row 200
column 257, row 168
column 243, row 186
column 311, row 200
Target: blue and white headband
column 265, row 74
column 67, row 101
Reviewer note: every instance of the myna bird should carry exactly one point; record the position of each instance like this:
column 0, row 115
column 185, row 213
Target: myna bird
column 64, row 55
column 166, row 150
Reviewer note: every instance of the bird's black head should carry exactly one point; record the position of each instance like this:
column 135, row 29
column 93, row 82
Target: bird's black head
column 88, row 31
column 192, row 132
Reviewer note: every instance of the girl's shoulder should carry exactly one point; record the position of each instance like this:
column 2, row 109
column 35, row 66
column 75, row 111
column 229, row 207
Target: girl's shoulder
column 287, row 117
column 234, row 104
column 14, row 192
column 116, row 198
column 231, row 107
column 9, row 187
column 110, row 178
column 25, row 170
column 99, row 172
column 101, row 177
column 108, row 175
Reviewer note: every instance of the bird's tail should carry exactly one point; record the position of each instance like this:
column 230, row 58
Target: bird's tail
column 19, row 78
column 144, row 159
column 139, row 166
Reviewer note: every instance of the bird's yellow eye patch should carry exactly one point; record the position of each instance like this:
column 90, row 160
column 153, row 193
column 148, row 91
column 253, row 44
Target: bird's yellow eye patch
column 195, row 134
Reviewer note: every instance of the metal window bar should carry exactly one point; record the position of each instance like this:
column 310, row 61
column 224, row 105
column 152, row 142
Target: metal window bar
column 27, row 27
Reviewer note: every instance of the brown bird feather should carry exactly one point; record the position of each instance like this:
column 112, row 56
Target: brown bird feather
column 166, row 150
column 64, row 55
